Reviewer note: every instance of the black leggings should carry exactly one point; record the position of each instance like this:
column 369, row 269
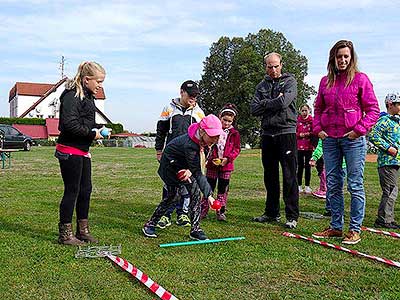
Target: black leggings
column 77, row 176
column 303, row 157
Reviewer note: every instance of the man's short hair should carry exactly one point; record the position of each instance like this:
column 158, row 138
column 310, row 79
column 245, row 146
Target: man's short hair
column 269, row 54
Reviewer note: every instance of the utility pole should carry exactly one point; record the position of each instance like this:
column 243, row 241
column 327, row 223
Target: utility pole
column 62, row 63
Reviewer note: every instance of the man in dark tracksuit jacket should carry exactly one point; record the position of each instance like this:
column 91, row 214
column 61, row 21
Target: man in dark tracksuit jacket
column 274, row 102
column 174, row 121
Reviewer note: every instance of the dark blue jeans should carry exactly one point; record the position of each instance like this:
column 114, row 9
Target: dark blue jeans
column 354, row 153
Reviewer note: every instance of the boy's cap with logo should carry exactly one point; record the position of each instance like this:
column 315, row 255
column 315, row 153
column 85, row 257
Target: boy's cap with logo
column 191, row 88
column 211, row 125
column 392, row 97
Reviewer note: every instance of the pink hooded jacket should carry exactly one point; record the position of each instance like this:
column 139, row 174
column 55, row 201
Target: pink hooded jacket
column 304, row 126
column 342, row 108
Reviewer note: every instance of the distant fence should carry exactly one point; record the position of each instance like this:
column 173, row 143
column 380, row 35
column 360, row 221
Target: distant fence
column 131, row 142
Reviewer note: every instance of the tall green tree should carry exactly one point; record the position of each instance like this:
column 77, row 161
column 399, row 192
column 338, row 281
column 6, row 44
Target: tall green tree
column 234, row 68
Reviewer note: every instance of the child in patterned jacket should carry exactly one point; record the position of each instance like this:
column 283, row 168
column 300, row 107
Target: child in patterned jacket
column 385, row 135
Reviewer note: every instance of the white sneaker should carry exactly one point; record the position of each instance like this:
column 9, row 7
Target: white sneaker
column 308, row 190
column 300, row 189
column 291, row 224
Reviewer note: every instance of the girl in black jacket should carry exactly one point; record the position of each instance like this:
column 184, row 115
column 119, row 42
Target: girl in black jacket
column 77, row 131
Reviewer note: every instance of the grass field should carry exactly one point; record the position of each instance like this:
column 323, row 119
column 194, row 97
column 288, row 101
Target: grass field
column 126, row 189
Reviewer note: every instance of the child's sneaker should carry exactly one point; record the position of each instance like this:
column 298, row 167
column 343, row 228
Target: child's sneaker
column 319, row 194
column 300, row 189
column 163, row 222
column 353, row 237
column 183, row 220
column 292, row 224
column 378, row 223
column 149, row 231
column 221, row 216
column 198, row 235
column 307, row 190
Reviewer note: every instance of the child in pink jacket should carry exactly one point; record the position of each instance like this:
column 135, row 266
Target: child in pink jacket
column 220, row 160
column 304, row 148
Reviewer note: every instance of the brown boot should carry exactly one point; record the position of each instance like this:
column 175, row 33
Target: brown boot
column 66, row 236
column 82, row 232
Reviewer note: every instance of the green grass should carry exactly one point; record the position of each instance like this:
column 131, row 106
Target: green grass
column 126, row 190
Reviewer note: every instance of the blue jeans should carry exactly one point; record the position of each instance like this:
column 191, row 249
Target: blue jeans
column 354, row 153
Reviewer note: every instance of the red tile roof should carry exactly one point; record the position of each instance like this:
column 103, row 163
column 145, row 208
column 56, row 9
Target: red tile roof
column 39, row 89
column 35, row 131
column 29, row 89
column 52, row 127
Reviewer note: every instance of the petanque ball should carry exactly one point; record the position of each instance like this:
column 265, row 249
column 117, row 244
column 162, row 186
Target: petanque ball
column 105, row 132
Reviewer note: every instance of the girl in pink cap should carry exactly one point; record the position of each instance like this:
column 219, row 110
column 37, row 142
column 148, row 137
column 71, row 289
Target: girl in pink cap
column 180, row 165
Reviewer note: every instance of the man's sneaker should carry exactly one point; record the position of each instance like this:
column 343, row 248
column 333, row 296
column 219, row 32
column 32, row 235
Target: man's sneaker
column 307, row 190
column 291, row 224
column 183, row 220
column 198, row 235
column 319, row 194
column 353, row 237
column 300, row 189
column 328, row 233
column 149, row 231
column 164, row 222
column 266, row 219
column 393, row 225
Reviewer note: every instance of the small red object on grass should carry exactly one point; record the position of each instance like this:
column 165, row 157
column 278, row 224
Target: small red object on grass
column 216, row 205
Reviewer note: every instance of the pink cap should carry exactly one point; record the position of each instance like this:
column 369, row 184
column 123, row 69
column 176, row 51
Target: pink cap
column 211, row 125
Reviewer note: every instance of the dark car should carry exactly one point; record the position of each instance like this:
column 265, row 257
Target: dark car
column 14, row 139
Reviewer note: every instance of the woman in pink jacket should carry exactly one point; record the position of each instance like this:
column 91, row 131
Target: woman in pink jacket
column 345, row 110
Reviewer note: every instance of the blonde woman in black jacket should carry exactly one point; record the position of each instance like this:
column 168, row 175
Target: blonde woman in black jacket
column 77, row 131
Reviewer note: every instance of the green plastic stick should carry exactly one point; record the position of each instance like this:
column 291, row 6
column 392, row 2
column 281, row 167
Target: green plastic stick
column 202, row 242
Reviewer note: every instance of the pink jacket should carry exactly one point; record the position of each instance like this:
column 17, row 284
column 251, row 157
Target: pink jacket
column 231, row 151
column 304, row 126
column 340, row 109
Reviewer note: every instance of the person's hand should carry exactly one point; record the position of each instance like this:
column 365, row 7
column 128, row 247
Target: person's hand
column 98, row 134
column 210, row 200
column 224, row 162
column 312, row 163
column 184, row 175
column 301, row 134
column 351, row 135
column 322, row 135
column 392, row 151
column 158, row 155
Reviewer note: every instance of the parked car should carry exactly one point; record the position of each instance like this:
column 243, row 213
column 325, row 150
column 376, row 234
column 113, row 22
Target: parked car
column 14, row 139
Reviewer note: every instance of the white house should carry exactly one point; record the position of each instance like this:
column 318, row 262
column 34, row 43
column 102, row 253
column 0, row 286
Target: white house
column 42, row 100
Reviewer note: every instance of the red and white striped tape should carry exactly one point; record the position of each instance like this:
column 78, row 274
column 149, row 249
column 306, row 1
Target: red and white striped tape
column 389, row 233
column 354, row 252
column 142, row 277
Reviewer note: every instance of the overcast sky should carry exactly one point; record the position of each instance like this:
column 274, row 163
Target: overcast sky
column 149, row 48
